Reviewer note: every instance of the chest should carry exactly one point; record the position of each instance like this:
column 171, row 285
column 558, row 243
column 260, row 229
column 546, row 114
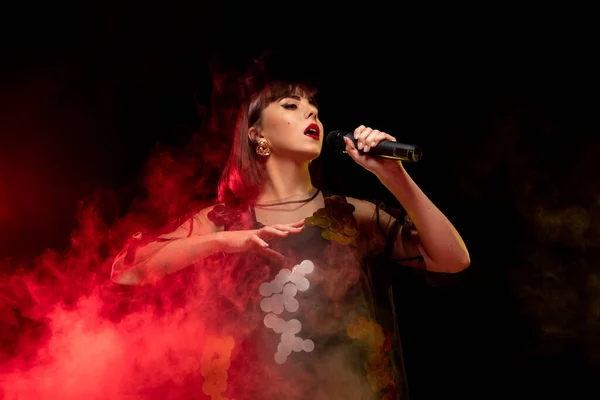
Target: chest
column 286, row 215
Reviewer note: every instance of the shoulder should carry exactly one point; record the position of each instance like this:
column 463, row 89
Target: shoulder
column 369, row 208
column 224, row 216
column 375, row 212
column 363, row 209
column 214, row 215
column 360, row 205
column 192, row 224
column 208, row 212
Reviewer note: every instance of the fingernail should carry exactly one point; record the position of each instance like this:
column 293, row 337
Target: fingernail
column 360, row 145
column 356, row 136
column 366, row 148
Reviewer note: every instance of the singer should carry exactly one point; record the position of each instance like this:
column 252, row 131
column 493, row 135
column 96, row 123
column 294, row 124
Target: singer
column 300, row 316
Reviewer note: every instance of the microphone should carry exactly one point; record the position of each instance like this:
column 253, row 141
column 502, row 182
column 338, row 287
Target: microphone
column 388, row 149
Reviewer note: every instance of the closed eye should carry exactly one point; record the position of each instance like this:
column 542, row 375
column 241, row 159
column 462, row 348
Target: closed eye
column 289, row 106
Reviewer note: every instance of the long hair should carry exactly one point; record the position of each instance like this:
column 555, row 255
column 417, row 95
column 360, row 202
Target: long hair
column 244, row 171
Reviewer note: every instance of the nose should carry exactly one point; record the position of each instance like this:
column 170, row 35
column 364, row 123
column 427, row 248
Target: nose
column 311, row 113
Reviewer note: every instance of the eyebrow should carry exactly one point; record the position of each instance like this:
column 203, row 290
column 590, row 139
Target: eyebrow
column 299, row 98
column 292, row 96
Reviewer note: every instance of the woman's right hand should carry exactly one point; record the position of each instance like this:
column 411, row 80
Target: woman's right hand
column 257, row 239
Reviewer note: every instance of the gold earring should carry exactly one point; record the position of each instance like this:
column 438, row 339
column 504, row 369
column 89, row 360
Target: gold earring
column 263, row 148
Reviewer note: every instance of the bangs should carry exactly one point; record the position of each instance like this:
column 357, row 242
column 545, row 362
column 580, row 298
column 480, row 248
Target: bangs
column 276, row 91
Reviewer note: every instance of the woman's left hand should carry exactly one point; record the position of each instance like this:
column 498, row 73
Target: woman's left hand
column 368, row 138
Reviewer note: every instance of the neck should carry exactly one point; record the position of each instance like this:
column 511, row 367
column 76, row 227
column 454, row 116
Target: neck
column 287, row 179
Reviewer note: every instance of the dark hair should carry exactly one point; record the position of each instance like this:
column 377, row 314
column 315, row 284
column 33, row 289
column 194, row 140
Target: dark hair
column 244, row 171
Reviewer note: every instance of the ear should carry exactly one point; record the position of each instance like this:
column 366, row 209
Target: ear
column 254, row 135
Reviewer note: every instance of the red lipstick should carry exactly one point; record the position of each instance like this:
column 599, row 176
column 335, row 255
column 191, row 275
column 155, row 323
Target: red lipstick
column 313, row 131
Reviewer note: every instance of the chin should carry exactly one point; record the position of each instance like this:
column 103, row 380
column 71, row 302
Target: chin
column 305, row 154
column 311, row 155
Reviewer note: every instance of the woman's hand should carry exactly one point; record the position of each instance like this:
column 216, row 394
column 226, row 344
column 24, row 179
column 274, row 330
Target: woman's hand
column 256, row 240
column 368, row 138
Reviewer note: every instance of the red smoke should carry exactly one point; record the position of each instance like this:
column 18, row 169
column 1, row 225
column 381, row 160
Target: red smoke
column 69, row 333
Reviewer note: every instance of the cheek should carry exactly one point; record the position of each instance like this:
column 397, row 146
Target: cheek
column 278, row 123
column 283, row 126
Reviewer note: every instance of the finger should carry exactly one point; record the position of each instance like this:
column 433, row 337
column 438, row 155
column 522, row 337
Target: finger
column 370, row 139
column 354, row 153
column 374, row 139
column 262, row 247
column 259, row 242
column 268, row 232
column 288, row 228
column 362, row 136
column 272, row 254
column 296, row 224
column 358, row 130
column 387, row 137
column 349, row 144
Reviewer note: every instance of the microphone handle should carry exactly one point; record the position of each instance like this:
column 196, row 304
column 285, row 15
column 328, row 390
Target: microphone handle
column 388, row 149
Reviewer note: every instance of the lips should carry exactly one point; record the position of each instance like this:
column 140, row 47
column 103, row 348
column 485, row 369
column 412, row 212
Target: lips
column 313, row 131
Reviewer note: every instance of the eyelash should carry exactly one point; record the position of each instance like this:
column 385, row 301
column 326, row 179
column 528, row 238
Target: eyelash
column 289, row 106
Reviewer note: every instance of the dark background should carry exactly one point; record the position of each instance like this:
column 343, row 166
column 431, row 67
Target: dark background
column 504, row 105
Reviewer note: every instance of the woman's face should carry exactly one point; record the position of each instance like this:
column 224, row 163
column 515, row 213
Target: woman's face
column 293, row 127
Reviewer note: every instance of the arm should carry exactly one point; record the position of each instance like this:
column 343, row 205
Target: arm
column 438, row 241
column 193, row 241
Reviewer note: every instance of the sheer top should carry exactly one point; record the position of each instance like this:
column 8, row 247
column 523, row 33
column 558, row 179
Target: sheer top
column 318, row 325
column 318, row 321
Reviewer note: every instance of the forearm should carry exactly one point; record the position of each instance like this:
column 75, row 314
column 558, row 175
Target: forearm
column 156, row 260
column 443, row 248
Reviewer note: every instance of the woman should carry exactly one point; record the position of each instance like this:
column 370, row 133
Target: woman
column 291, row 264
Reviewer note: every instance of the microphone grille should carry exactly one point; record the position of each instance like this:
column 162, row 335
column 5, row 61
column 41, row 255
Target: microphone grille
column 335, row 139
